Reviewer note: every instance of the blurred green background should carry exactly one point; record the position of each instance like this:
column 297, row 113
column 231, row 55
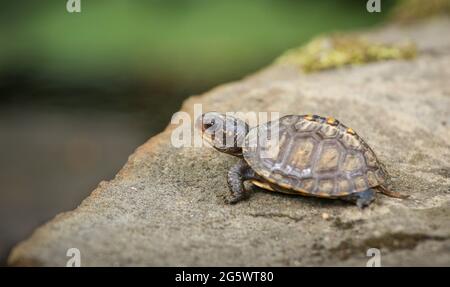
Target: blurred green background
column 80, row 91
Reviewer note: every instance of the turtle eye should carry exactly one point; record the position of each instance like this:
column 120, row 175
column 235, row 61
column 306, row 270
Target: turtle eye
column 208, row 124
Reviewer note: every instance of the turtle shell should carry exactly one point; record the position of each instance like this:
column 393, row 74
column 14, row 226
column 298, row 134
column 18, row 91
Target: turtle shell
column 312, row 155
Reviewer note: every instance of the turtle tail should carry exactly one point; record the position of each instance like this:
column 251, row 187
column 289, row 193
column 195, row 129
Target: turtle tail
column 391, row 193
column 384, row 189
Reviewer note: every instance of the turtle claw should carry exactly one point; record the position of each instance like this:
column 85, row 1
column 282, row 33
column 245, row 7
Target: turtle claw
column 231, row 200
column 235, row 199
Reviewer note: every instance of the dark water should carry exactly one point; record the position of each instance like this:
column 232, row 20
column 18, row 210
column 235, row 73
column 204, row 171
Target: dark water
column 51, row 160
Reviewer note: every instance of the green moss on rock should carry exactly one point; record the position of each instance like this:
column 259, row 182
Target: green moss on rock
column 325, row 53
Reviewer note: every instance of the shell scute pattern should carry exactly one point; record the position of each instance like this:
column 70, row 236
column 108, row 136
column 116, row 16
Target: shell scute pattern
column 314, row 155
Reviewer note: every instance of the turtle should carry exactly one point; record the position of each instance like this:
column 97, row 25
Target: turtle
column 307, row 155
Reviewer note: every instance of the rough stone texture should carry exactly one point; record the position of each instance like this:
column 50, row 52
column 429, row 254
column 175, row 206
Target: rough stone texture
column 165, row 207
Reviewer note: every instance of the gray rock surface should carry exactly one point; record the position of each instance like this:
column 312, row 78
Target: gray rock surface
column 165, row 207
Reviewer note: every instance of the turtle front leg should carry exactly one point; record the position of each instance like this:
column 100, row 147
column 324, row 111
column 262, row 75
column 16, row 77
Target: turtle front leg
column 237, row 175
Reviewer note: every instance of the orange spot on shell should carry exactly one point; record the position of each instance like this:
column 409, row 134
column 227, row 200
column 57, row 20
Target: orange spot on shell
column 331, row 120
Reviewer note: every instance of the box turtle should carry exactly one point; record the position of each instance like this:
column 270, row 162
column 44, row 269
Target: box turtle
column 311, row 156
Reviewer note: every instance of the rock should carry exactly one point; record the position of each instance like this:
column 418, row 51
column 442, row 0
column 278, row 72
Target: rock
column 165, row 207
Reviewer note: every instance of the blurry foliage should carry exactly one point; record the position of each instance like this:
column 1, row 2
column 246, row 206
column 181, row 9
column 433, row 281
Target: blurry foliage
column 339, row 50
column 190, row 43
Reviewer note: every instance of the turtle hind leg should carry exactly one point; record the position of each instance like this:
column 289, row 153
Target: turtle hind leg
column 361, row 199
column 237, row 174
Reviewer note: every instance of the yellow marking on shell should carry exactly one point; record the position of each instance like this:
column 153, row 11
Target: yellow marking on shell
column 343, row 186
column 284, row 185
column 303, row 192
column 262, row 185
column 342, row 193
column 293, row 192
column 351, row 131
column 309, row 117
column 322, row 194
column 267, row 186
column 331, row 120
column 289, row 189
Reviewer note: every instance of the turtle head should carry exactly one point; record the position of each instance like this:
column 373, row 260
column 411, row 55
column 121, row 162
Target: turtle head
column 224, row 132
